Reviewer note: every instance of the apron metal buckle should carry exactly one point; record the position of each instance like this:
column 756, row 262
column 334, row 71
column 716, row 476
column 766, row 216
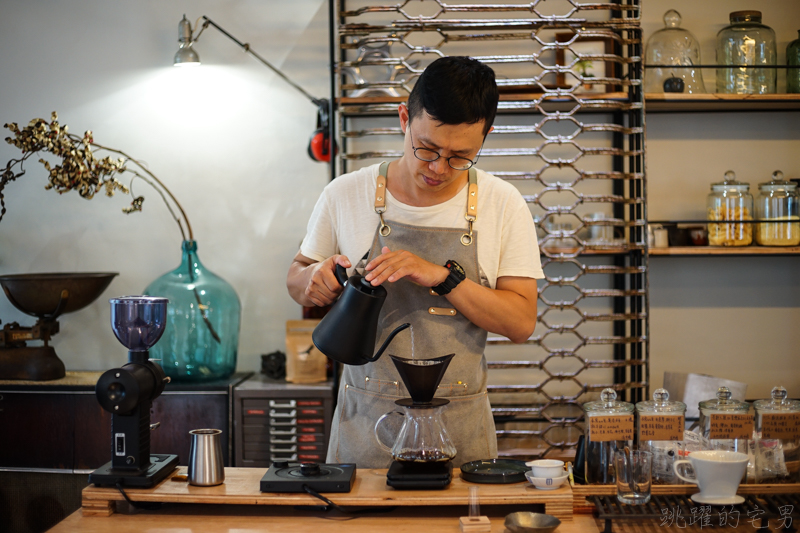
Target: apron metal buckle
column 384, row 229
column 466, row 239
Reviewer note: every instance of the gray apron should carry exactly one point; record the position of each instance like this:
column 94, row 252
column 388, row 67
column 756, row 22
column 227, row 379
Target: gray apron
column 368, row 391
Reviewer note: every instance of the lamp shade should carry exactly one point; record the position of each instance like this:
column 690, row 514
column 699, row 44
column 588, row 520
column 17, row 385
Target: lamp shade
column 186, row 56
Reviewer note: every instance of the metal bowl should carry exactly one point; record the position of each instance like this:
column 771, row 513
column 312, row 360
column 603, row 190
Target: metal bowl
column 52, row 294
column 527, row 522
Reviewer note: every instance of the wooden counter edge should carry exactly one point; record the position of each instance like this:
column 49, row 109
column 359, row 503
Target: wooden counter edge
column 242, row 489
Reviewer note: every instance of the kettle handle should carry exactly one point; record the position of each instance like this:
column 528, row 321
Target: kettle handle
column 378, row 423
column 341, row 274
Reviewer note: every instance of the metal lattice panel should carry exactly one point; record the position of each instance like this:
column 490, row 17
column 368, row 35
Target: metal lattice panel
column 570, row 135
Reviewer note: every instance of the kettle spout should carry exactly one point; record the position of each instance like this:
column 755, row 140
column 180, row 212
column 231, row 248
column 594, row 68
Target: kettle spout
column 388, row 340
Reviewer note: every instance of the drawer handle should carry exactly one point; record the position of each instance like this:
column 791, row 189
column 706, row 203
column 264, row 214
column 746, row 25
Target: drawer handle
column 283, row 450
column 291, row 431
column 283, row 441
column 292, row 422
column 278, row 414
column 282, row 405
column 292, row 457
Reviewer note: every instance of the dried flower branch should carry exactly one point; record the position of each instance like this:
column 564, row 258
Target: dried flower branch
column 80, row 169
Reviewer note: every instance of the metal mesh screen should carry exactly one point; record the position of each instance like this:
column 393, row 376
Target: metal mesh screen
column 570, row 135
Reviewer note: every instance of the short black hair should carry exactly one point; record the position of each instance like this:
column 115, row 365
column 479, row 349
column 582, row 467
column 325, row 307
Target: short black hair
column 456, row 90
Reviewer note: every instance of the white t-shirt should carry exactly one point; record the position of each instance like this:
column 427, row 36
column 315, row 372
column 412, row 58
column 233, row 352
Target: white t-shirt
column 344, row 222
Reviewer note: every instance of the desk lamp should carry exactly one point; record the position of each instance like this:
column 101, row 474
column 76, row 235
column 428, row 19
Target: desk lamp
column 187, row 56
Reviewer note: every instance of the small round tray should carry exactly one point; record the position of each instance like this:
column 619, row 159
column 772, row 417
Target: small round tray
column 496, row 471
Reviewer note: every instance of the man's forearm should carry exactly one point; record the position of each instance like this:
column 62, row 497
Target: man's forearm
column 511, row 313
column 297, row 280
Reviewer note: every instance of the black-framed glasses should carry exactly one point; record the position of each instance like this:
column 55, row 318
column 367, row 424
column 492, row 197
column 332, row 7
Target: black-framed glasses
column 455, row 162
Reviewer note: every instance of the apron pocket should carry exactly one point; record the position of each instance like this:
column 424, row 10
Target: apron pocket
column 353, row 439
column 470, row 425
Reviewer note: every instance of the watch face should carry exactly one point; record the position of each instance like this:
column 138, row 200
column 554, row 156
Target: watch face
column 455, row 266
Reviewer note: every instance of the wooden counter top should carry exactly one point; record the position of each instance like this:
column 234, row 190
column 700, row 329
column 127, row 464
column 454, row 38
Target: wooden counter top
column 241, row 487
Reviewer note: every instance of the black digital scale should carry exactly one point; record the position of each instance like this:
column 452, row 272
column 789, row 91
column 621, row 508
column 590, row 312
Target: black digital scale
column 283, row 476
column 422, row 476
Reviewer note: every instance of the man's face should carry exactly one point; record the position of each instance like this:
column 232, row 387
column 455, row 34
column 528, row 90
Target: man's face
column 460, row 140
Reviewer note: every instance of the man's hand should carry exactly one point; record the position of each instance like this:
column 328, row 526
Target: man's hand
column 314, row 282
column 393, row 266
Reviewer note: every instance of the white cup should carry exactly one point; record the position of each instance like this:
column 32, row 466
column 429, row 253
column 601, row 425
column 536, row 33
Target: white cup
column 718, row 472
column 546, row 468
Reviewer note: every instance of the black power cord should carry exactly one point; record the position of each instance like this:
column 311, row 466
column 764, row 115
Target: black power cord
column 145, row 506
column 330, row 505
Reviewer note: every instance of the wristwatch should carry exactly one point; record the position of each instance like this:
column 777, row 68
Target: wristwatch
column 456, row 276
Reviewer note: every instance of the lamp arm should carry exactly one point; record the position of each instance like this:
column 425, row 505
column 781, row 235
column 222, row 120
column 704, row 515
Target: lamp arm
column 246, row 47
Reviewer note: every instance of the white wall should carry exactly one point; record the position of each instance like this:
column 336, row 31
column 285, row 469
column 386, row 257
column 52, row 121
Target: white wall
column 732, row 317
column 229, row 139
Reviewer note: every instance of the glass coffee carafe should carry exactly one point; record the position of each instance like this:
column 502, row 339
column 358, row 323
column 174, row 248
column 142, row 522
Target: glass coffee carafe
column 422, row 438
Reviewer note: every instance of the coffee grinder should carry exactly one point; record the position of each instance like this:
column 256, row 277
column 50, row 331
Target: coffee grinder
column 128, row 393
column 422, row 451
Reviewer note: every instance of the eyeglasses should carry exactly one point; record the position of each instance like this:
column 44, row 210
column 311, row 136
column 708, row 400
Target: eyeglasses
column 455, row 162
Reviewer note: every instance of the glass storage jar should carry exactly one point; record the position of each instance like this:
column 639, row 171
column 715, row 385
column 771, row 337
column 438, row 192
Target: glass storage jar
column 609, row 427
column 678, row 48
column 777, row 447
column 746, row 41
column 727, row 424
column 793, row 60
column 659, row 426
column 730, row 200
column 777, row 202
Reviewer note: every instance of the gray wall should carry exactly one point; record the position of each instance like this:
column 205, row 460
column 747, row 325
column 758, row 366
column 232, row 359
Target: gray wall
column 230, row 140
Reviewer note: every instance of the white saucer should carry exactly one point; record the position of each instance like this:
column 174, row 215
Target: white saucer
column 716, row 500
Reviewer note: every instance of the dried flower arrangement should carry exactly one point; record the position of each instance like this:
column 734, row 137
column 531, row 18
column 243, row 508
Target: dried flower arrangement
column 80, row 169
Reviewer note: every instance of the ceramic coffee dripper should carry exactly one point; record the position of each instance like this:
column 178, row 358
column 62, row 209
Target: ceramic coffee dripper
column 347, row 333
column 718, row 472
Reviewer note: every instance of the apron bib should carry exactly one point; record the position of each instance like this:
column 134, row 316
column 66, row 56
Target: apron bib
column 368, row 391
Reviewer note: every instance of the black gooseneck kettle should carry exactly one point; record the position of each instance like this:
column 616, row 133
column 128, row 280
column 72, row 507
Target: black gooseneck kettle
column 347, row 333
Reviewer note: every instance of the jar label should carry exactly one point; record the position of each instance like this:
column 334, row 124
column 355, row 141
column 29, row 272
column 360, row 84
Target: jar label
column 731, row 426
column 780, row 426
column 661, row 427
column 611, row 427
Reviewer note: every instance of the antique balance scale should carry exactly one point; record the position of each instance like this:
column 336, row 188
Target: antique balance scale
column 45, row 296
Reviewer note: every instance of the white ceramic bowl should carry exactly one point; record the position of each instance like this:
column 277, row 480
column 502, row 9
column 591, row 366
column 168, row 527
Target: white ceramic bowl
column 546, row 483
column 546, row 467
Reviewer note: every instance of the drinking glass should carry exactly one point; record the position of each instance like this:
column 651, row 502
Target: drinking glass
column 633, row 476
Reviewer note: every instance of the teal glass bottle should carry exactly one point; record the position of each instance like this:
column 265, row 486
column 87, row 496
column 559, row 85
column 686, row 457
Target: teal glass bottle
column 793, row 60
column 201, row 339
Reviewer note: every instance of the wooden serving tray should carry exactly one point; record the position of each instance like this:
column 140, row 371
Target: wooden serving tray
column 241, row 487
column 581, row 505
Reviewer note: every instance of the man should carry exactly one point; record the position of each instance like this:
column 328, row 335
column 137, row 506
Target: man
column 455, row 248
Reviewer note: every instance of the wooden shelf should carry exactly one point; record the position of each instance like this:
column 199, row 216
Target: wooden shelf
column 673, row 102
column 726, row 250
column 241, row 487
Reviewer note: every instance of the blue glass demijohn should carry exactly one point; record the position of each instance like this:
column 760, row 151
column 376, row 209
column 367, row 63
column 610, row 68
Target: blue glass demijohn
column 201, row 338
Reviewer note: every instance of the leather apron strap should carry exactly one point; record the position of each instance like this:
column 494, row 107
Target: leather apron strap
column 471, row 213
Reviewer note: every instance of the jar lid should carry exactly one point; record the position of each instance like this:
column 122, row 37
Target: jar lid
column 778, row 183
column 745, row 16
column 608, row 405
column 661, row 404
column 730, row 184
column 724, row 402
column 779, row 402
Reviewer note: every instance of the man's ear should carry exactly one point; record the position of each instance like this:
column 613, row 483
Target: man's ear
column 402, row 112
